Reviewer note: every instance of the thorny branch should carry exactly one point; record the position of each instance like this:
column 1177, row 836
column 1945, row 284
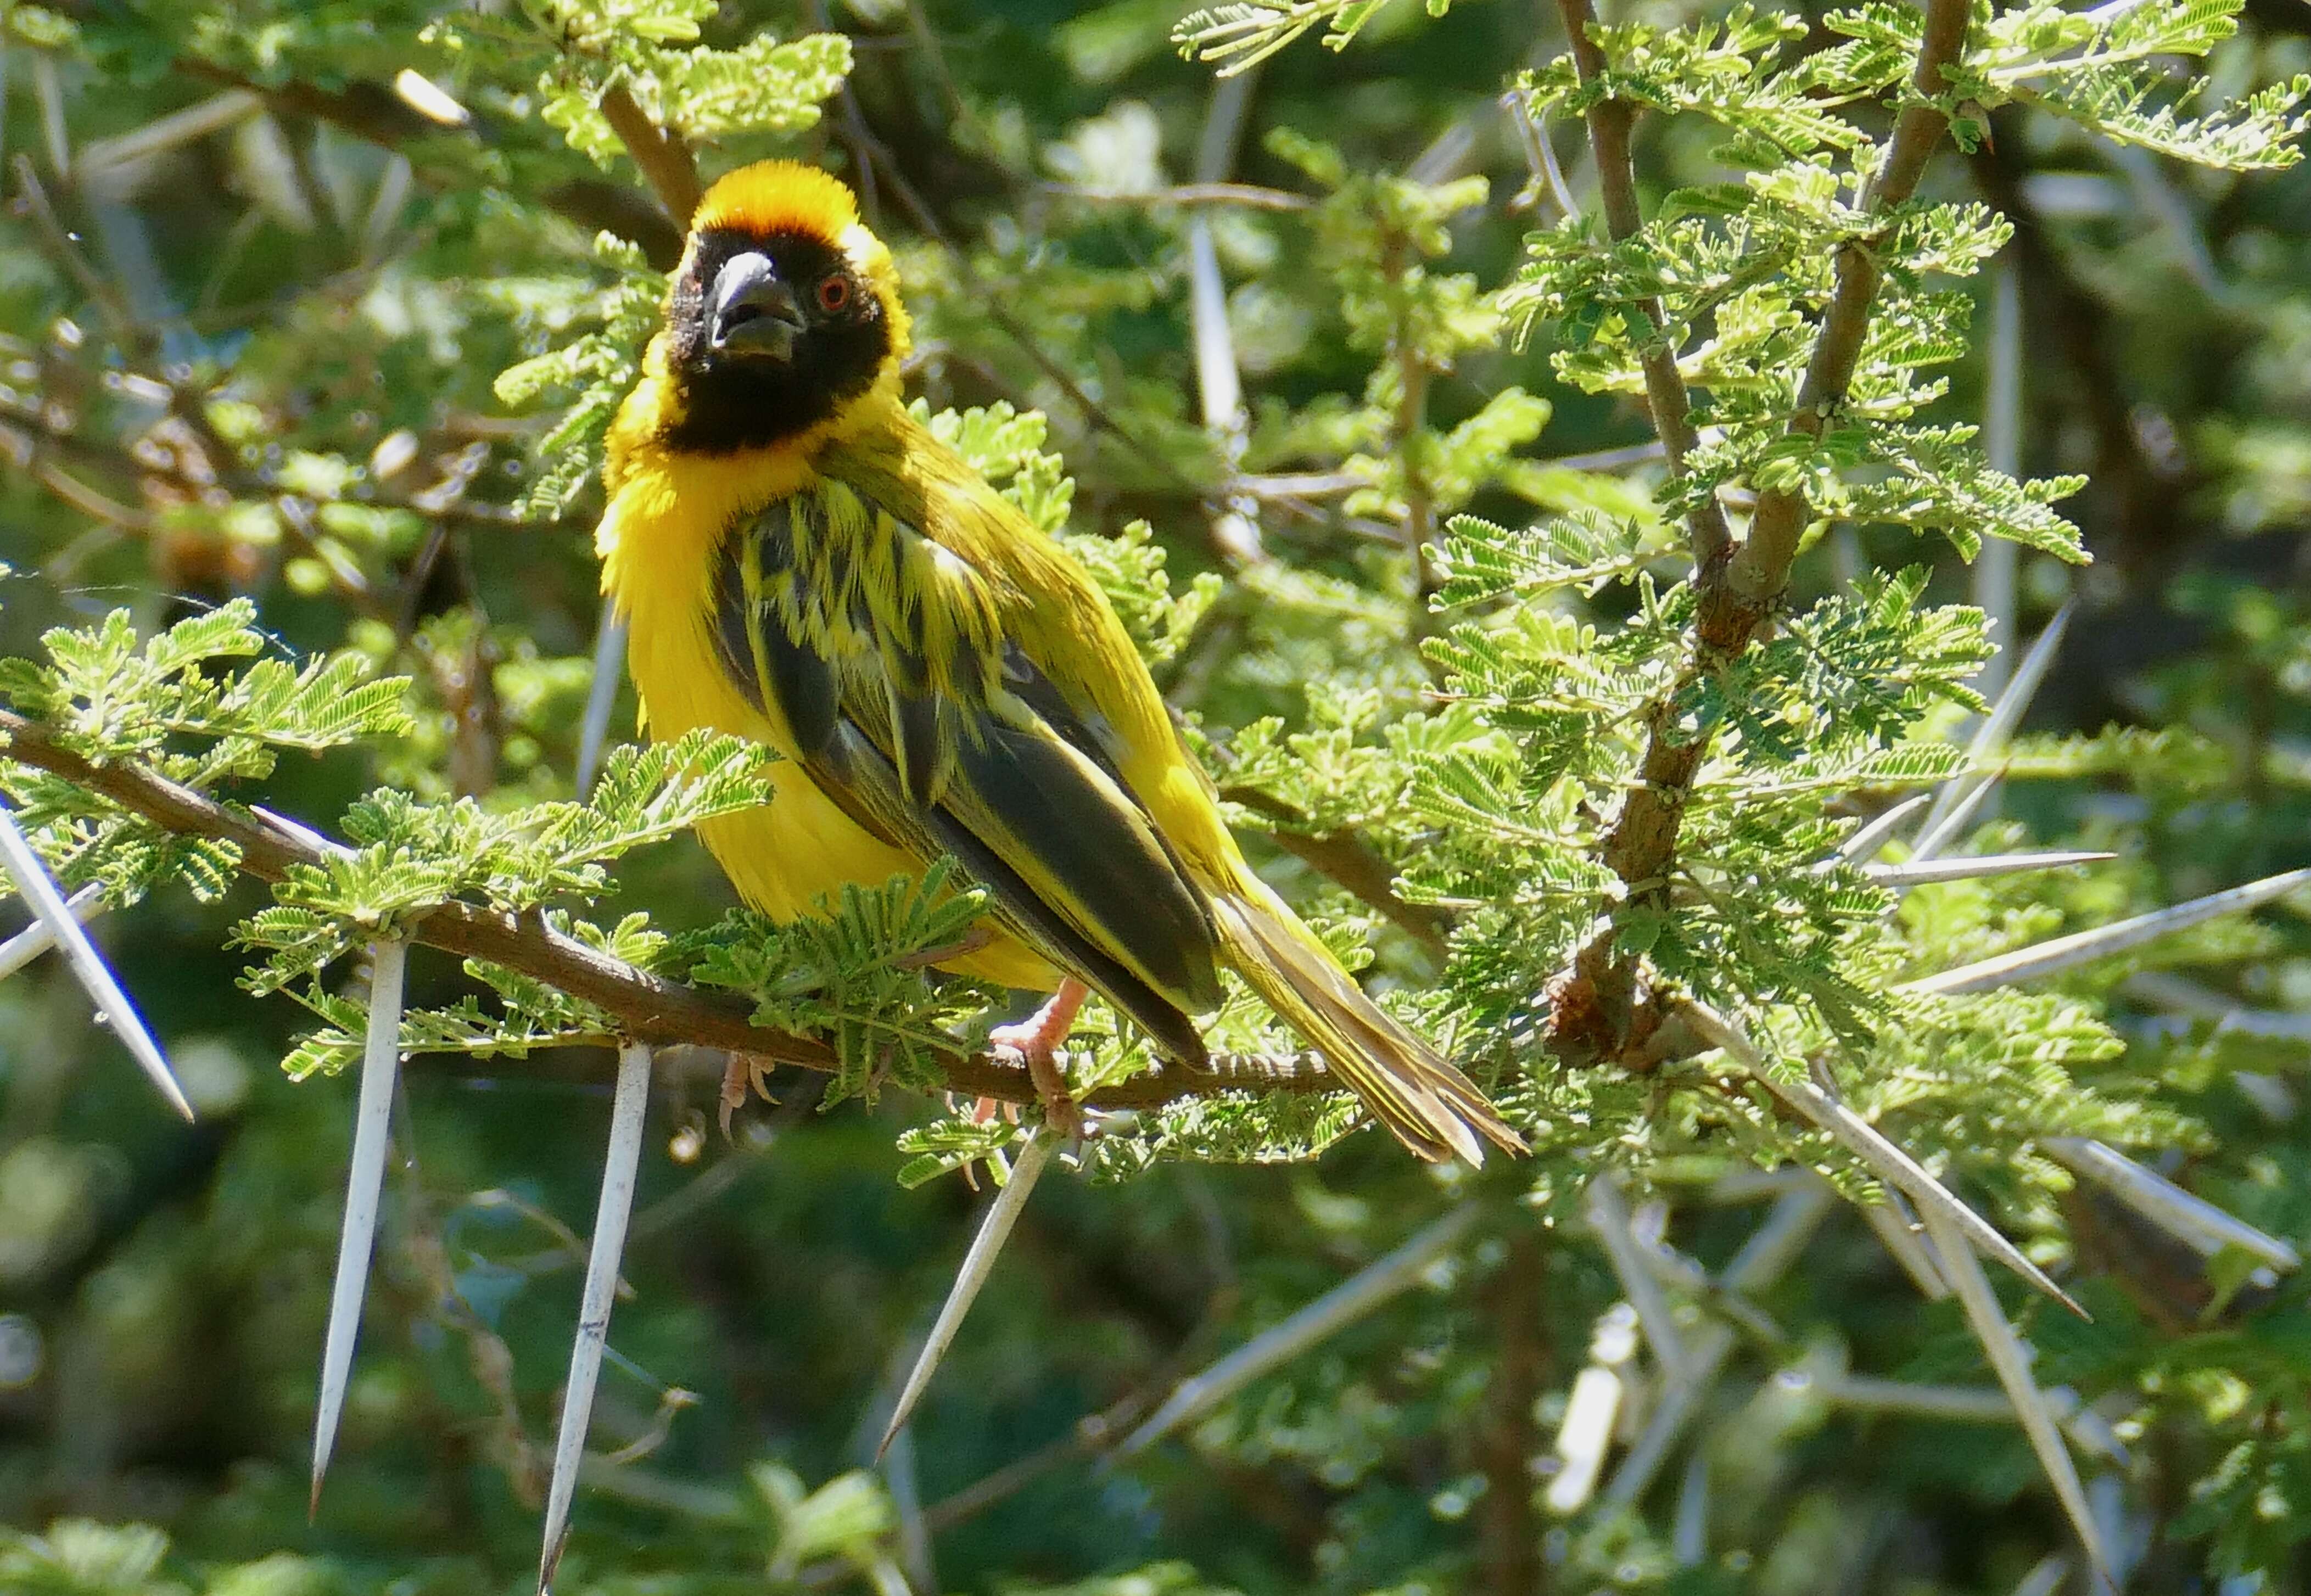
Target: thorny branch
column 1597, row 1011
column 645, row 1007
column 660, row 153
column 372, row 112
column 1671, row 408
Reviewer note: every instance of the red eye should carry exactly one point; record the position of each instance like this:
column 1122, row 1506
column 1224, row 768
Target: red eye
column 833, row 293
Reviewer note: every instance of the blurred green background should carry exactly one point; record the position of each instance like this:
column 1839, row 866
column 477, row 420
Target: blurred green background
column 356, row 277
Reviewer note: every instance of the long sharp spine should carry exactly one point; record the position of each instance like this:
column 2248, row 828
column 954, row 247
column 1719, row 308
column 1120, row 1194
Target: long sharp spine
column 628, row 1110
column 364, row 1184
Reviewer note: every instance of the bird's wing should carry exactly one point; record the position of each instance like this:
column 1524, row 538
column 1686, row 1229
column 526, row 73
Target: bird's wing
column 884, row 654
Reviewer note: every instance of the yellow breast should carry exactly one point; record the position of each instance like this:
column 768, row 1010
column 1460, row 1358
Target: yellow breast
column 658, row 543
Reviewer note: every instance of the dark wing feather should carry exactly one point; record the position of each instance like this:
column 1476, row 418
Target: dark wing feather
column 961, row 747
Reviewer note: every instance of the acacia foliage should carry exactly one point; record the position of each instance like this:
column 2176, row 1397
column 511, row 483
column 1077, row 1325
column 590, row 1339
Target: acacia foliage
column 359, row 402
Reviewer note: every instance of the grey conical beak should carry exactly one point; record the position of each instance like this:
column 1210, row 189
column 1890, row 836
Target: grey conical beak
column 755, row 315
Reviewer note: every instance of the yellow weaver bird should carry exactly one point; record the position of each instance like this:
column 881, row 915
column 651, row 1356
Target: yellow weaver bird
column 799, row 561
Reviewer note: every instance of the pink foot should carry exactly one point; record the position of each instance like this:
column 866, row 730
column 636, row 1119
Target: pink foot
column 747, row 1075
column 1037, row 1043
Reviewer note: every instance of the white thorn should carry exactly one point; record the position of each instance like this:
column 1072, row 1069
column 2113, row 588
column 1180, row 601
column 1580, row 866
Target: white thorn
column 602, row 696
column 1540, row 155
column 364, row 1181
column 304, row 833
column 1864, row 845
column 2011, row 1361
column 1895, row 1227
column 1584, row 1437
column 1893, row 1165
column 1773, row 1247
column 1608, row 1216
column 1690, row 1540
column 1999, row 561
column 1768, row 1253
column 1971, row 792
column 2004, row 716
column 2047, row 1578
column 36, row 939
column 1921, row 872
column 1035, row 1153
column 2064, row 953
column 1220, row 383
column 429, row 99
column 1973, row 1404
column 628, row 1108
column 1679, row 1399
column 113, row 1008
column 1337, row 1308
column 2196, row 1222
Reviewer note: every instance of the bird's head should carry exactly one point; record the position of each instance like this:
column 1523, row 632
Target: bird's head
column 785, row 312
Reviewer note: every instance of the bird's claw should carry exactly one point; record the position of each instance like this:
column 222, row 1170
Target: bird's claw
column 1061, row 1112
column 746, row 1075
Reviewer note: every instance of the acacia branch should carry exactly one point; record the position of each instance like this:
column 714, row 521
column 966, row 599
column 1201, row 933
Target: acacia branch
column 1732, row 610
column 661, row 153
column 645, row 1007
column 1667, row 403
column 1348, row 861
column 372, row 112
column 1596, row 1011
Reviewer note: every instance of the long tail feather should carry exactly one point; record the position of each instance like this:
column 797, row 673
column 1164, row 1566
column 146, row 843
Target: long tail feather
column 1427, row 1103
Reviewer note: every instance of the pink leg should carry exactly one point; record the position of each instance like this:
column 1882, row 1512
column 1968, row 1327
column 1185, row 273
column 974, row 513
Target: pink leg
column 1037, row 1041
column 745, row 1076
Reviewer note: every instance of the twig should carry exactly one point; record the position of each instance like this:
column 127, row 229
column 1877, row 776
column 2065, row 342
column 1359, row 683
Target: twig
column 1247, row 195
column 1758, row 570
column 1350, row 862
column 1337, row 1309
column 1595, row 1011
column 644, row 1006
column 1507, row 1438
column 660, row 153
column 1671, row 407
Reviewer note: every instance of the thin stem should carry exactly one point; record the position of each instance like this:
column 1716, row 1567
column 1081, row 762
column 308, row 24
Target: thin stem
column 1596, row 1008
column 1510, row 1534
column 1760, row 569
column 644, row 1006
column 1670, row 407
column 1337, row 1309
column 660, row 153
